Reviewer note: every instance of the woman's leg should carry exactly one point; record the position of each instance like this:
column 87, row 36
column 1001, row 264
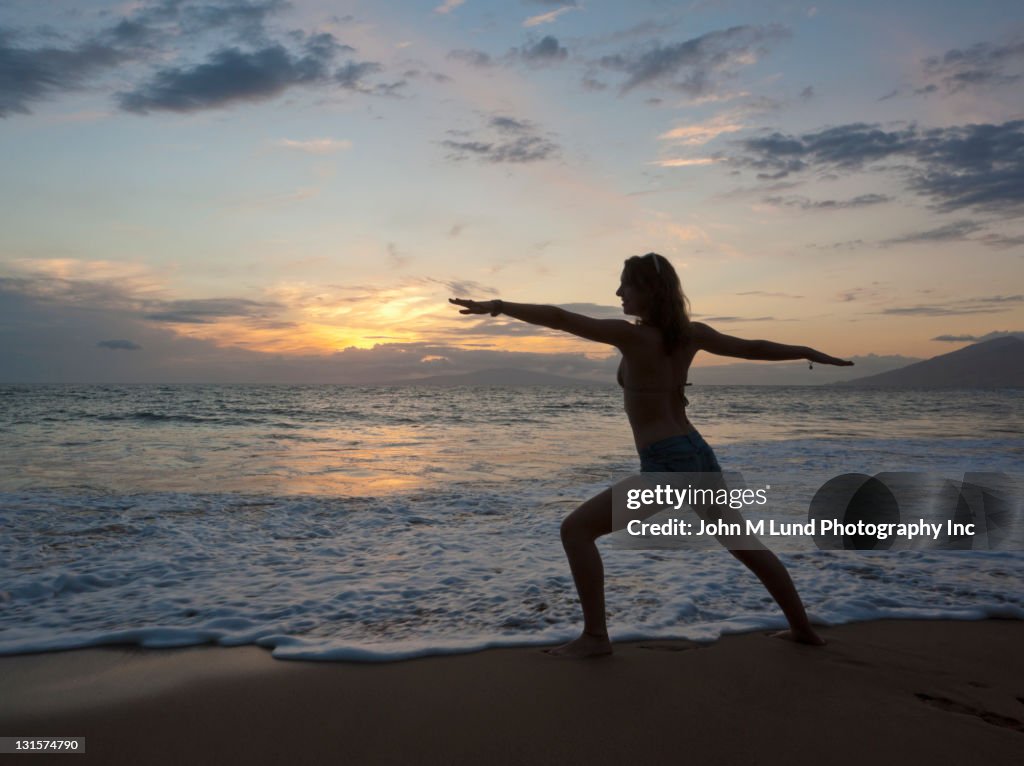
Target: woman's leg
column 772, row 573
column 580, row 530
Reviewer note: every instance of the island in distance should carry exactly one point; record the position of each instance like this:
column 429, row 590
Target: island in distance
column 507, row 376
column 996, row 363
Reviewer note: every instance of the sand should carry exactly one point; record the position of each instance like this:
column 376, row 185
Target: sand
column 880, row 692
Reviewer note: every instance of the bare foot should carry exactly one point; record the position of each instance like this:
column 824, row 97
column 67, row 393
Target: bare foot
column 587, row 645
column 807, row 636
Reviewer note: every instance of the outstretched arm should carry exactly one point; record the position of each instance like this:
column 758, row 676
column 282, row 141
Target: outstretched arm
column 715, row 342
column 616, row 332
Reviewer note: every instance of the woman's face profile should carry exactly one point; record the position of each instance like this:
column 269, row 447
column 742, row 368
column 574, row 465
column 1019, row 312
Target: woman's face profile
column 633, row 299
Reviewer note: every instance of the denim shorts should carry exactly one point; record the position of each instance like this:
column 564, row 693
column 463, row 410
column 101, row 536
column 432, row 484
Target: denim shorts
column 687, row 453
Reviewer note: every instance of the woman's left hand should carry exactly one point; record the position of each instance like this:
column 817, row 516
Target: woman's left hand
column 476, row 307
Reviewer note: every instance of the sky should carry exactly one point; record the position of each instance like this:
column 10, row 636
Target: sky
column 272, row 191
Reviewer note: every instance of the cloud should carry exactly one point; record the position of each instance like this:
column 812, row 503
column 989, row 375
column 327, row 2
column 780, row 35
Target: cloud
column 32, row 74
column 862, row 200
column 695, row 66
column 952, row 232
column 147, row 31
column 58, row 321
column 473, row 58
column 682, row 162
column 231, row 75
column 245, row 21
column 463, row 288
column 510, row 141
column 984, row 305
column 352, row 76
column 979, row 166
column 205, row 311
column 448, row 6
column 981, row 65
column 543, row 52
column 316, row 145
column 1002, row 241
column 125, row 345
column 549, row 17
column 546, row 51
column 698, row 134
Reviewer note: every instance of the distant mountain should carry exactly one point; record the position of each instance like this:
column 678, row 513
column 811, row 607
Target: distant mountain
column 500, row 377
column 995, row 363
column 794, row 373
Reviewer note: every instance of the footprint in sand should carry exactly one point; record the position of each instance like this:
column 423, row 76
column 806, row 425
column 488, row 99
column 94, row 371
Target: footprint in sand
column 952, row 706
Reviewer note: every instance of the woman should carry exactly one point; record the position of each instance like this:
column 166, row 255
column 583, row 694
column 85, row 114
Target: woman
column 656, row 356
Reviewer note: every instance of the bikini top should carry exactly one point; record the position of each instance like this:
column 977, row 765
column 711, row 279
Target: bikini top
column 679, row 388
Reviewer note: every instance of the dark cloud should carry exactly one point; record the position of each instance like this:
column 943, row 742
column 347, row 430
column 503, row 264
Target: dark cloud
column 124, row 345
column 970, row 166
column 1003, row 241
column 29, row 74
column 694, row 66
column 984, row 305
column 511, row 141
column 257, row 68
column 44, row 338
column 32, row 74
column 205, row 311
column 807, row 93
column 510, row 124
column 232, row 75
column 169, row 19
column 803, row 203
column 352, row 75
column 952, row 232
column 546, row 51
column 245, row 18
column 983, row 64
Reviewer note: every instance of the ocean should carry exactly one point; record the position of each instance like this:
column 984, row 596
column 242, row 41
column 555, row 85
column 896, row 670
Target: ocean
column 383, row 523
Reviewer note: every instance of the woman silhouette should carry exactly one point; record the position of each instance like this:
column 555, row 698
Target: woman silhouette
column 656, row 356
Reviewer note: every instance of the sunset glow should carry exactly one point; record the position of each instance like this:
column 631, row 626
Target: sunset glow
column 254, row 189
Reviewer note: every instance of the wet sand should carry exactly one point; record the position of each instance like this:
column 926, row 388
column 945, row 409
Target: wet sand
column 881, row 692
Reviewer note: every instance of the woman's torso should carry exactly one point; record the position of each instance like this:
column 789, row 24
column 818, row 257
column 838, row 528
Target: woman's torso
column 653, row 388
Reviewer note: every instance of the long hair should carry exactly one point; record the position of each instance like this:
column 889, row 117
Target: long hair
column 668, row 308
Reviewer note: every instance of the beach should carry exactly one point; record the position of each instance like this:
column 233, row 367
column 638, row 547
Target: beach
column 935, row 692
